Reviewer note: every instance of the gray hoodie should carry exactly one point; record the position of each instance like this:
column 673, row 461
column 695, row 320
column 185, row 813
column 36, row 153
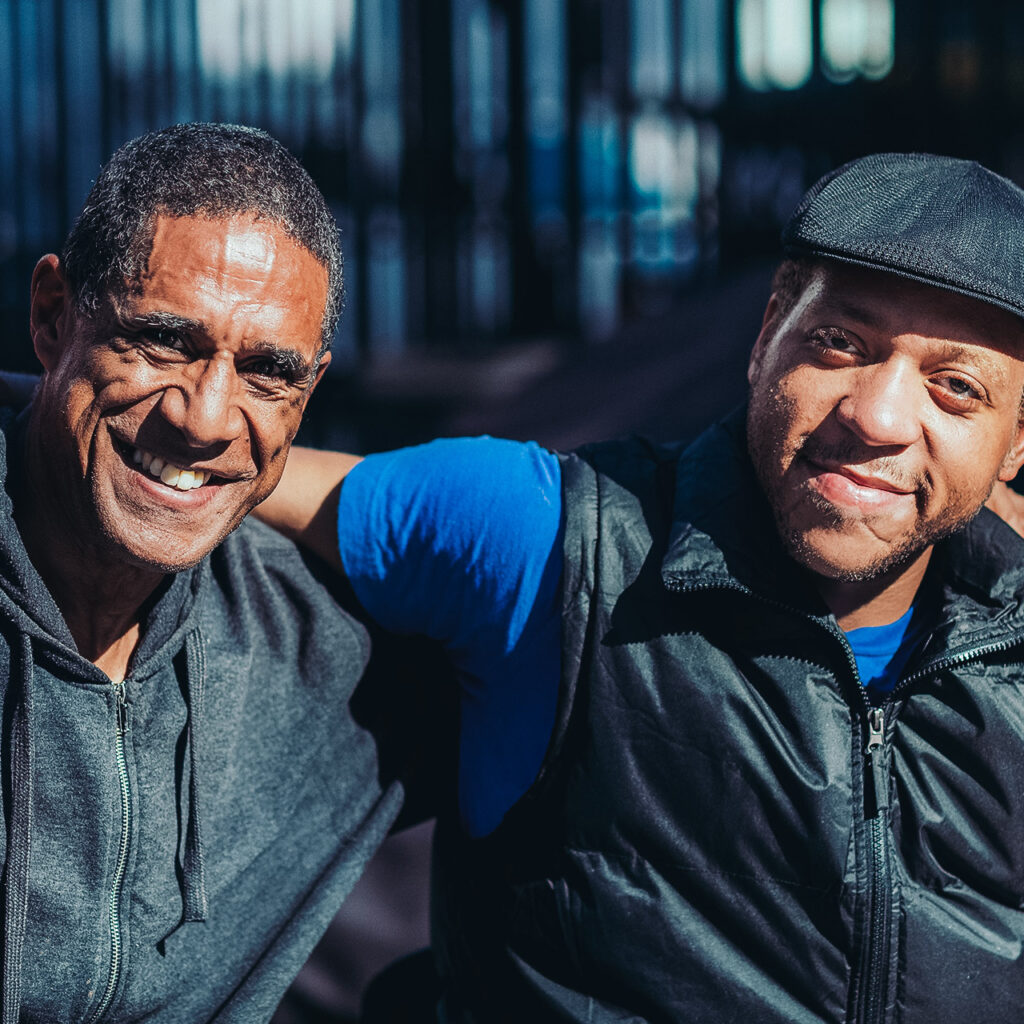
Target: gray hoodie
column 173, row 850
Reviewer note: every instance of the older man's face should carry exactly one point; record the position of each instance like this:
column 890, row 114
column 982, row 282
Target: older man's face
column 882, row 412
column 169, row 414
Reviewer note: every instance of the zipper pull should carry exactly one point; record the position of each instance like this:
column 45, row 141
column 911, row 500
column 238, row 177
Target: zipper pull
column 122, row 708
column 876, row 758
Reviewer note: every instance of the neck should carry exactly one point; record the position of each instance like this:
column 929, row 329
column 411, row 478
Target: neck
column 102, row 600
column 874, row 602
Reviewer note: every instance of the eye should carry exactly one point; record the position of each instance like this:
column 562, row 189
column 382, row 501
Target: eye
column 270, row 368
column 275, row 372
column 263, row 368
column 834, row 343
column 165, row 340
column 961, row 387
column 958, row 392
column 159, row 346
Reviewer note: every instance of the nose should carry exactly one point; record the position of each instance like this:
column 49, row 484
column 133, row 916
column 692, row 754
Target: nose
column 205, row 406
column 882, row 405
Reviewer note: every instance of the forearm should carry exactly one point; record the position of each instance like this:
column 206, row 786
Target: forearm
column 304, row 504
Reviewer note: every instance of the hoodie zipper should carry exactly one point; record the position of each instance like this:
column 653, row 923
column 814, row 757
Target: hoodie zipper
column 121, row 864
column 872, row 1008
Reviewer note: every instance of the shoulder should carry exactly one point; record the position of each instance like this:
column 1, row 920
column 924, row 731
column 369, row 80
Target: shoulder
column 450, row 497
column 458, row 468
column 263, row 584
column 254, row 548
column 630, row 464
column 614, row 481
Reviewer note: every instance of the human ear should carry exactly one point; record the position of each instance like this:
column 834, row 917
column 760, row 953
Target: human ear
column 1015, row 456
column 768, row 326
column 48, row 312
column 324, row 361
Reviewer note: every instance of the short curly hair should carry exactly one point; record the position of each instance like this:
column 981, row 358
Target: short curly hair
column 194, row 170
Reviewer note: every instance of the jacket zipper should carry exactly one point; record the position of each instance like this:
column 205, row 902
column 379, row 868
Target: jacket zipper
column 879, row 906
column 880, row 872
column 121, row 864
column 875, row 980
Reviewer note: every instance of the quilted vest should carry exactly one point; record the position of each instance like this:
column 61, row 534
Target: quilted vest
column 724, row 830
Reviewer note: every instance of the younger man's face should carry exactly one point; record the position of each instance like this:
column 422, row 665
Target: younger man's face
column 882, row 411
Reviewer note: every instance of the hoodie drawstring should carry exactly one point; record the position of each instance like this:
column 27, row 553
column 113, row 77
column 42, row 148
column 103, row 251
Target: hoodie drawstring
column 16, row 868
column 195, row 875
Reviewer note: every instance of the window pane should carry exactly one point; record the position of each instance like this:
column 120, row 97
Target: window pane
column 651, row 50
column 856, row 38
column 774, row 43
column 702, row 49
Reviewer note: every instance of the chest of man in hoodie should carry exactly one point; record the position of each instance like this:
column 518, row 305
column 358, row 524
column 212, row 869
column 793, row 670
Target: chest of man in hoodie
column 254, row 799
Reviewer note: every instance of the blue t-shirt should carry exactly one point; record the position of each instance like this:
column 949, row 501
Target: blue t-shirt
column 882, row 652
column 460, row 540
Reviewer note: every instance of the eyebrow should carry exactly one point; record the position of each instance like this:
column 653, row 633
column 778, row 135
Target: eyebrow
column 289, row 359
column 843, row 307
column 161, row 321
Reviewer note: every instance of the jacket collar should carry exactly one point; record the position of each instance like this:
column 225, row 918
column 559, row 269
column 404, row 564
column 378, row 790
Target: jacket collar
column 723, row 535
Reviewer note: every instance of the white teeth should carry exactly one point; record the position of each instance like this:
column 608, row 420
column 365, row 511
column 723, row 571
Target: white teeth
column 174, row 476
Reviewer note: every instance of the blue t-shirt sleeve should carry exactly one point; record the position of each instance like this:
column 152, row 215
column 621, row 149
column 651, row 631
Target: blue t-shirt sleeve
column 460, row 540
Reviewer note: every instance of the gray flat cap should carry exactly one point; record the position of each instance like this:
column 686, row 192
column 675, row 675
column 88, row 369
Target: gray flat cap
column 949, row 223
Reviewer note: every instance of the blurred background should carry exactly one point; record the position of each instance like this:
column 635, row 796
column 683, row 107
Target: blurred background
column 519, row 183
column 559, row 216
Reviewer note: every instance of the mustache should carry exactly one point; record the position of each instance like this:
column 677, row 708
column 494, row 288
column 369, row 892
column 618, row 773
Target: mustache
column 850, row 452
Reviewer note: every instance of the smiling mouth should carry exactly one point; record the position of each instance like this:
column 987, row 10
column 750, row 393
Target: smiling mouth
column 844, row 491
column 867, row 481
column 179, row 477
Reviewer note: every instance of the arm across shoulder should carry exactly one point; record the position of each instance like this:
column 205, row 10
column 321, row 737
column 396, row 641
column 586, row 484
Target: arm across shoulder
column 304, row 504
column 458, row 540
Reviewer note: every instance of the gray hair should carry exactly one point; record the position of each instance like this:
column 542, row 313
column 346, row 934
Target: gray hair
column 194, row 170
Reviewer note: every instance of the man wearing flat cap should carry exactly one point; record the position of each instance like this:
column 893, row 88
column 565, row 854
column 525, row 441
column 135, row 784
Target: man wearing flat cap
column 743, row 723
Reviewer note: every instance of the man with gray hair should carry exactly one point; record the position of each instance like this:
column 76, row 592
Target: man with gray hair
column 743, row 723
column 187, row 797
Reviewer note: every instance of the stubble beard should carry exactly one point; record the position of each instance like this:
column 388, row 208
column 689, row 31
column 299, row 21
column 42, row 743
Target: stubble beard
column 952, row 520
column 765, row 413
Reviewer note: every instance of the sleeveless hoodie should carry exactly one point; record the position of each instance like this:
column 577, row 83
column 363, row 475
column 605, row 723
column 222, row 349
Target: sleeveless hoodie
column 724, row 830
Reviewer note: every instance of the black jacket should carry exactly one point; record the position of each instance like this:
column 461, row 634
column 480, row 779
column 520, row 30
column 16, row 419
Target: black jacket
column 710, row 839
